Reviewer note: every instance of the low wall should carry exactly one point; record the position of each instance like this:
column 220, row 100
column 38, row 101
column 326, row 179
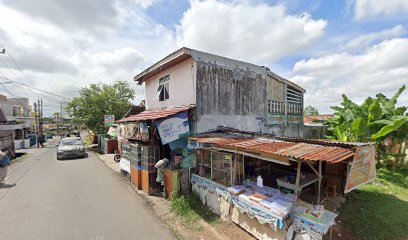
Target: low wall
column 228, row 212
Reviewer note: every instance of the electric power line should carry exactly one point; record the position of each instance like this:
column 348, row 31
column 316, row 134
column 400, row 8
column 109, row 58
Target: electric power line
column 15, row 63
column 19, row 68
column 23, row 84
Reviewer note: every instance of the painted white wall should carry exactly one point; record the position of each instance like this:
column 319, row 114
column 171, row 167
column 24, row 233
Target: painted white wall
column 182, row 86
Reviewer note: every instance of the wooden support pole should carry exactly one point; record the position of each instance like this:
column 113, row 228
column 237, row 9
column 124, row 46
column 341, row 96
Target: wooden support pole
column 243, row 162
column 320, row 182
column 298, row 180
column 311, row 166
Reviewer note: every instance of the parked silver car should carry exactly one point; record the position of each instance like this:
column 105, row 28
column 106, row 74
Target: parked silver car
column 70, row 147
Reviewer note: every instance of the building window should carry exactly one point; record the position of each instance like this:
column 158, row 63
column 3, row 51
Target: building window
column 163, row 90
column 294, row 99
column 17, row 111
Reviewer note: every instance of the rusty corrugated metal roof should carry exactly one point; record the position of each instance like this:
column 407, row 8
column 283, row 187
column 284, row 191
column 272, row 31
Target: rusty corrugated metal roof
column 279, row 148
column 153, row 114
column 326, row 142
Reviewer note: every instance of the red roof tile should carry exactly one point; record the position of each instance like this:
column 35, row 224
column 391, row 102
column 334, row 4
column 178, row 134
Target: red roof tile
column 153, row 114
column 317, row 119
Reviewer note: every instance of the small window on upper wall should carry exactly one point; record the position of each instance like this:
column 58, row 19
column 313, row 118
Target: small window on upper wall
column 162, row 92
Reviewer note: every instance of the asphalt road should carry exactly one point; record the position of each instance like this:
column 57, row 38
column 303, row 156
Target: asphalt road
column 73, row 199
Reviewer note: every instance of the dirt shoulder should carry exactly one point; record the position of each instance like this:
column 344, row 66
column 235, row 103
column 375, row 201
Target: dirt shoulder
column 182, row 230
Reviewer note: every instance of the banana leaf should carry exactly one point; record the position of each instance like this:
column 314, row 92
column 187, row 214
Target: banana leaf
column 390, row 127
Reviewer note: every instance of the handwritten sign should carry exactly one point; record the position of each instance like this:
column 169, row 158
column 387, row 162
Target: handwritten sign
column 362, row 169
column 173, row 128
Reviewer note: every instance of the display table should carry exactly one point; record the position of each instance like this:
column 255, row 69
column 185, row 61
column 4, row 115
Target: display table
column 305, row 181
column 314, row 227
column 260, row 213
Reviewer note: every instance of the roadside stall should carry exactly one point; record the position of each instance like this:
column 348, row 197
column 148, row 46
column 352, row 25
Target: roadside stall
column 160, row 134
column 259, row 182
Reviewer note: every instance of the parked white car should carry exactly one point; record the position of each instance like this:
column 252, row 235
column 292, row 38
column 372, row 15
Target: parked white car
column 71, row 147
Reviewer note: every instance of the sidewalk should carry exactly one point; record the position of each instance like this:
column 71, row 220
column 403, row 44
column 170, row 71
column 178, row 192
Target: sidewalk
column 108, row 160
column 161, row 207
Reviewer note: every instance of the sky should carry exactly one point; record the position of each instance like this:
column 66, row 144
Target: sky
column 353, row 47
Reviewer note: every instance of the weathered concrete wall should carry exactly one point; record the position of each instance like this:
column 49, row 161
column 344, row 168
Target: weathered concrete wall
column 315, row 132
column 182, row 86
column 285, row 130
column 229, row 93
column 275, row 90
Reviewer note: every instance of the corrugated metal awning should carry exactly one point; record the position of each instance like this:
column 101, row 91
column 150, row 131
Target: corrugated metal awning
column 153, row 114
column 279, row 149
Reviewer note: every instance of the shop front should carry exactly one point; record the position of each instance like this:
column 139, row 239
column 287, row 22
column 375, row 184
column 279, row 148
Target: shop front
column 270, row 187
column 154, row 145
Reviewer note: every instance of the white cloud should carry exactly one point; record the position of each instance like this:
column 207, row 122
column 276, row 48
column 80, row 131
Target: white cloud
column 145, row 3
column 380, row 68
column 73, row 15
column 367, row 39
column 57, row 59
column 372, row 8
column 246, row 30
column 124, row 58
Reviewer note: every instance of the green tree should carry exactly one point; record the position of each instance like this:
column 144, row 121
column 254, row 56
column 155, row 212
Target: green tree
column 376, row 119
column 310, row 110
column 98, row 100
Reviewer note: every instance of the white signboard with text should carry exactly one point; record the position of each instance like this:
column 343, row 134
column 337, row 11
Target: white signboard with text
column 172, row 128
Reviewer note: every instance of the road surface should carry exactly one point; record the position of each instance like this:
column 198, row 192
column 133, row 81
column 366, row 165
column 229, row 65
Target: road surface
column 73, row 199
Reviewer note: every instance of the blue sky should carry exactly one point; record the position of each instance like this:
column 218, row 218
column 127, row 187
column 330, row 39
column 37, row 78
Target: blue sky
column 353, row 47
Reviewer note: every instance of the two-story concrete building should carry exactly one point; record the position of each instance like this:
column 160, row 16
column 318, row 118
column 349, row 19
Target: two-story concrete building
column 225, row 92
column 231, row 132
column 18, row 110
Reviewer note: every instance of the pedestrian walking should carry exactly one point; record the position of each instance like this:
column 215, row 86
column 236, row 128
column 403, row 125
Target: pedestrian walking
column 4, row 164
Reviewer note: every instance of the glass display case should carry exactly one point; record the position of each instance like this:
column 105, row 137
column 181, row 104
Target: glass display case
column 221, row 167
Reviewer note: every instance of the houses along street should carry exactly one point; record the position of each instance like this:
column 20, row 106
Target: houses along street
column 72, row 199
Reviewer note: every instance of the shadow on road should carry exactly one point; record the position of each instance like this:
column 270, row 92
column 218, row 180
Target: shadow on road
column 19, row 154
column 7, row 185
column 74, row 158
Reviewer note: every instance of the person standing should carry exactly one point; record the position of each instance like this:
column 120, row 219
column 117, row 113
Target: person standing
column 4, row 164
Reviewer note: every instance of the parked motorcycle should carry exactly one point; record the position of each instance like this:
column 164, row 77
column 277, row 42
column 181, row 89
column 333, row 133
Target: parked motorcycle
column 116, row 157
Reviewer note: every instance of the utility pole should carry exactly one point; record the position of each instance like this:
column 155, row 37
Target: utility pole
column 61, row 114
column 36, row 123
column 57, row 121
column 41, row 123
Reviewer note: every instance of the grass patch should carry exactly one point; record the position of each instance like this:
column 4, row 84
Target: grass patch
column 379, row 211
column 190, row 208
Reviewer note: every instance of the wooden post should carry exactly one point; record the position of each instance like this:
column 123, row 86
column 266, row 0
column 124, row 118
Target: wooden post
column 243, row 162
column 320, row 182
column 298, row 179
column 211, row 162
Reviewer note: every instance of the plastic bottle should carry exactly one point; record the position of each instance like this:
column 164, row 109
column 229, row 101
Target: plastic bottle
column 259, row 181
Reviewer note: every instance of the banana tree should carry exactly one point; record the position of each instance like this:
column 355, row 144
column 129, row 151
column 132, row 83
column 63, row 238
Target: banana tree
column 374, row 120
